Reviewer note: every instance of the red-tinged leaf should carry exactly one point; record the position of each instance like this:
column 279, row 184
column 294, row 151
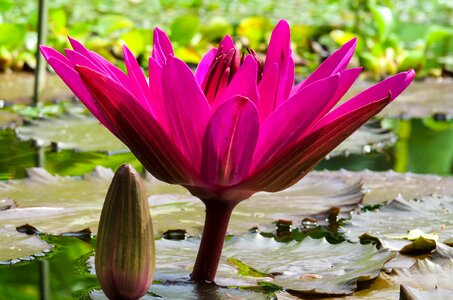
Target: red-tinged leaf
column 140, row 131
column 229, row 142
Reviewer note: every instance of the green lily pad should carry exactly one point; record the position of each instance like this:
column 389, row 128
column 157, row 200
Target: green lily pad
column 431, row 214
column 312, row 266
column 71, row 131
column 15, row 245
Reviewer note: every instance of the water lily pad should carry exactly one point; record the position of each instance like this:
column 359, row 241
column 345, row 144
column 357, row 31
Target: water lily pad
column 15, row 245
column 365, row 140
column 410, row 293
column 425, row 276
column 386, row 186
column 190, row 291
column 311, row 266
column 431, row 214
column 71, row 131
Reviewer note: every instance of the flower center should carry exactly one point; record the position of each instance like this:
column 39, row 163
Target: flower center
column 222, row 70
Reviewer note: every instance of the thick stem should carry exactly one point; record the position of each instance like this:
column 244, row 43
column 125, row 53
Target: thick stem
column 216, row 222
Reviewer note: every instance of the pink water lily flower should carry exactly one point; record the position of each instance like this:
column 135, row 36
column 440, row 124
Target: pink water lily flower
column 232, row 128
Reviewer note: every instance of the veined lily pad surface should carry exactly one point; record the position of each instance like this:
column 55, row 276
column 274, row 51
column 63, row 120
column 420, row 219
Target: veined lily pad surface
column 71, row 131
column 299, row 267
column 313, row 266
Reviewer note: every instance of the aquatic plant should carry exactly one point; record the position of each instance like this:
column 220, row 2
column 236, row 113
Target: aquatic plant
column 232, row 128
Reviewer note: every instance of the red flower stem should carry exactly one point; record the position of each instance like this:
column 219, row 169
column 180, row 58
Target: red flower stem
column 216, row 223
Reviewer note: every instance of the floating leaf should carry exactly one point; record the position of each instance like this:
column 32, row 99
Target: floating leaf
column 71, row 131
column 410, row 293
column 431, row 214
column 15, row 246
column 184, row 28
column 425, row 275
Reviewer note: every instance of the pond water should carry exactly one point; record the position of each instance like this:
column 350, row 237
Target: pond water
column 322, row 220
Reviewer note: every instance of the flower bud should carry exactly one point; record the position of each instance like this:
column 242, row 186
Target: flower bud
column 125, row 256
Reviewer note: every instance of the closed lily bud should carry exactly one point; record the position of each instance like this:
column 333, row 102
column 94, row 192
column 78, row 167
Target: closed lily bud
column 125, row 256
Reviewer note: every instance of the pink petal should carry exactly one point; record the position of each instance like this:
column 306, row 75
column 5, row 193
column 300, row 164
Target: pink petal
column 268, row 88
column 229, row 142
column 393, row 85
column 187, row 109
column 113, row 70
column 335, row 63
column 139, row 85
column 101, row 63
column 77, row 58
column 162, row 48
column 347, row 79
column 291, row 165
column 286, row 124
column 243, row 84
column 74, row 82
column 48, row 52
column 226, row 44
column 155, row 85
column 204, row 65
column 279, row 52
column 140, row 131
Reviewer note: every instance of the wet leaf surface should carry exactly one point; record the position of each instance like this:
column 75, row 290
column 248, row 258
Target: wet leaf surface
column 312, row 266
column 386, row 186
column 425, row 275
column 15, row 245
column 430, row 214
column 56, row 204
column 71, row 131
